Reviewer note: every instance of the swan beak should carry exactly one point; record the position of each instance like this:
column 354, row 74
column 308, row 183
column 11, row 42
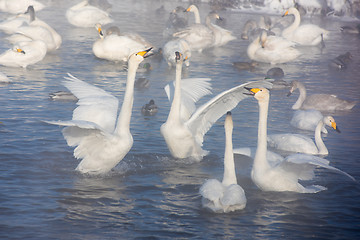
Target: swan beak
column 177, row 56
column 19, row 50
column 285, row 14
column 333, row 125
column 187, row 10
column 252, row 91
column 144, row 53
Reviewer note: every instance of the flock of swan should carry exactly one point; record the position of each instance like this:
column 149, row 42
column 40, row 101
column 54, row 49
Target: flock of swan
column 101, row 136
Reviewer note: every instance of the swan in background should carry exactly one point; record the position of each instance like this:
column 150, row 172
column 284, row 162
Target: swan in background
column 285, row 175
column 303, row 144
column 198, row 36
column 306, row 34
column 19, row 6
column 195, row 10
column 321, row 102
column 23, row 54
column 178, row 19
column 176, row 45
column 221, row 35
column 307, row 120
column 101, row 140
column 274, row 42
column 85, row 15
column 184, row 133
column 115, row 47
column 225, row 196
column 149, row 109
column 259, row 53
column 37, row 30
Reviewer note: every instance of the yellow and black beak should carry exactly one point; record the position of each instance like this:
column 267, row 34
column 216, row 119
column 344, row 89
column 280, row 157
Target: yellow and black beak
column 144, row 53
column 334, row 126
column 252, row 91
column 19, row 50
column 285, row 14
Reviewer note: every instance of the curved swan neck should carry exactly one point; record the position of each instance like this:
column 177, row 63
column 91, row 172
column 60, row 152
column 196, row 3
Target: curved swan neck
column 123, row 123
column 229, row 165
column 260, row 160
column 196, row 15
column 295, row 24
column 302, row 96
column 174, row 113
column 318, row 140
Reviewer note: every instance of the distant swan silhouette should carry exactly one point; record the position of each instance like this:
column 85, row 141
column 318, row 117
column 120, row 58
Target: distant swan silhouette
column 225, row 196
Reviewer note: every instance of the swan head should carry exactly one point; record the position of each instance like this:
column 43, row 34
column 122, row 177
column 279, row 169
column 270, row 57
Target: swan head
column 18, row 50
column 294, row 85
column 99, row 29
column 179, row 56
column 291, row 11
column 139, row 56
column 260, row 94
column 330, row 121
column 30, row 10
column 191, row 8
column 228, row 121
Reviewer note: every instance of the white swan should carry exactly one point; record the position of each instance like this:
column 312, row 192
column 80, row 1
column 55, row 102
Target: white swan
column 259, row 53
column 303, row 144
column 23, row 54
column 85, row 15
column 176, row 45
column 225, row 196
column 306, row 34
column 19, row 6
column 115, row 47
column 195, row 10
column 37, row 29
column 184, row 134
column 285, row 175
column 198, row 36
column 101, row 140
column 321, row 102
column 307, row 120
column 221, row 35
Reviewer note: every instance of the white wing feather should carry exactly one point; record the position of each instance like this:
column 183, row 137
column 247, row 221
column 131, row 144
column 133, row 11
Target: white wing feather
column 207, row 114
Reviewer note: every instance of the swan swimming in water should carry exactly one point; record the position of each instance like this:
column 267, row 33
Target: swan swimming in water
column 321, row 102
column 100, row 140
column 303, row 144
column 225, row 196
column 85, row 15
column 285, row 175
column 306, row 34
column 23, row 54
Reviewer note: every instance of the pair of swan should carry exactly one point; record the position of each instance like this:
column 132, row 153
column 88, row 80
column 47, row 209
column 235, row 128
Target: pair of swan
column 225, row 196
column 306, row 34
column 303, row 144
column 321, row 102
column 186, row 126
column 273, row 50
column 113, row 46
column 101, row 139
column 24, row 53
column 201, row 36
column 283, row 175
column 85, row 15
column 36, row 29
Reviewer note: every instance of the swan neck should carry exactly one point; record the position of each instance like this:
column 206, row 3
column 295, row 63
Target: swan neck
column 123, row 123
column 253, row 47
column 197, row 16
column 318, row 139
column 294, row 25
column 260, row 161
column 80, row 5
column 229, row 165
column 174, row 113
column 301, row 98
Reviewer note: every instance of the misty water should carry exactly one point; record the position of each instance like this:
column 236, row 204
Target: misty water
column 150, row 195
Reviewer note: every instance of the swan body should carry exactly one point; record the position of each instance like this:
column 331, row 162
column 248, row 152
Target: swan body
column 85, row 15
column 176, row 45
column 286, row 174
column 186, row 125
column 225, row 196
column 23, row 54
column 307, row 120
column 221, row 35
column 19, row 6
column 115, row 47
column 259, row 53
column 303, row 144
column 321, row 102
column 10, row 25
column 306, row 34
column 100, row 140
